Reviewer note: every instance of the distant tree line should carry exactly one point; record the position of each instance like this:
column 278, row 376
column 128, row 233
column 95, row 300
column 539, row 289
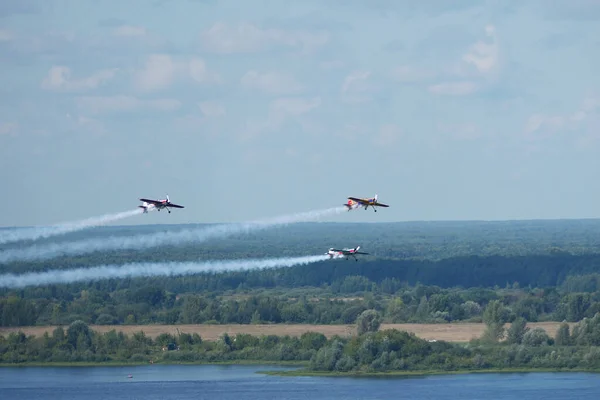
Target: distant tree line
column 430, row 240
column 338, row 303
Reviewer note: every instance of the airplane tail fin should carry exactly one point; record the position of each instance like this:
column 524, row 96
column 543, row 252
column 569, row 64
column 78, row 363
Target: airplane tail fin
column 349, row 205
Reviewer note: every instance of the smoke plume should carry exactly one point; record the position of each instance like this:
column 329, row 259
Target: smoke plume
column 134, row 270
column 146, row 241
column 34, row 233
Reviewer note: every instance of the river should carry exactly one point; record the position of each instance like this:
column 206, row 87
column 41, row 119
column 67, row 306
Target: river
column 237, row 382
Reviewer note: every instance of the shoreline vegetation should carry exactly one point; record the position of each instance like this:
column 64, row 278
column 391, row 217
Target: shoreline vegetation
column 383, row 374
column 370, row 351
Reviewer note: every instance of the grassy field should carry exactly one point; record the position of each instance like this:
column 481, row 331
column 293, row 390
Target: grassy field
column 460, row 332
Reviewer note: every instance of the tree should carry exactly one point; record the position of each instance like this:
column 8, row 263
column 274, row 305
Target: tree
column 495, row 313
column 368, row 321
column 516, row 331
column 576, row 306
column 79, row 335
column 423, row 309
column 536, row 337
column 494, row 316
column 563, row 337
column 471, row 308
column 396, row 310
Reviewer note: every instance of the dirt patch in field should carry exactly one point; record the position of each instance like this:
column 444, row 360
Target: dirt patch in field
column 449, row 332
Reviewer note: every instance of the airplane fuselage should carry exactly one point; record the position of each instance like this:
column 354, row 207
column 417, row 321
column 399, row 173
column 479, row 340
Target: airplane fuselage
column 150, row 204
column 344, row 253
column 154, row 206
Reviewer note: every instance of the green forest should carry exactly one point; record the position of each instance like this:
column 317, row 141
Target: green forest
column 434, row 272
column 493, row 272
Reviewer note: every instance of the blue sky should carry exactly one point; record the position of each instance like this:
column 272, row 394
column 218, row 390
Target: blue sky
column 242, row 110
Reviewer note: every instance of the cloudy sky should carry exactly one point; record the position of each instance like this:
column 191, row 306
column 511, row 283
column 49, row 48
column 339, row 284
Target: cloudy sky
column 241, row 110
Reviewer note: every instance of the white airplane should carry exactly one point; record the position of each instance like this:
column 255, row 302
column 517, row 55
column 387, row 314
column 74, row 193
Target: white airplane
column 149, row 205
column 340, row 253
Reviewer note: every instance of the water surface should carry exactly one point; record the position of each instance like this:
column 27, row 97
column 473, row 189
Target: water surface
column 243, row 383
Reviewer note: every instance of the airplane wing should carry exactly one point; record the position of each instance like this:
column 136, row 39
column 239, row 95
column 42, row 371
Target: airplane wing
column 380, row 204
column 357, row 199
column 155, row 202
column 175, row 205
column 359, row 252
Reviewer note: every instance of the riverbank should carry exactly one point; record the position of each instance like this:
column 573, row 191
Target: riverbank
column 138, row 363
column 356, row 374
column 299, row 368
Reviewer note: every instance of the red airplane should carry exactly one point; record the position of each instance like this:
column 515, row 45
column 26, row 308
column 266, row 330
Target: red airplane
column 355, row 202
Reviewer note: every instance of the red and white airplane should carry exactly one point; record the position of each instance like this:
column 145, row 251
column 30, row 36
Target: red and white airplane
column 341, row 253
column 149, row 205
column 356, row 202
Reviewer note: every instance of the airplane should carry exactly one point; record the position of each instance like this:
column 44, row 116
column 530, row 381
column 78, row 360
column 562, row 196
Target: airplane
column 354, row 202
column 148, row 204
column 338, row 253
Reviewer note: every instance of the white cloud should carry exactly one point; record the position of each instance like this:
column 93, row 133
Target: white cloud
column 248, row 38
column 454, row 88
column 130, row 31
column 8, row 128
column 271, row 82
column 478, row 67
column 122, row 103
column 212, row 109
column 281, row 110
column 161, row 71
column 293, row 106
column 484, row 55
column 547, row 123
column 59, row 78
column 200, row 72
column 407, row 74
column 356, row 88
column 82, row 123
column 158, row 73
column 387, row 135
column 5, row 35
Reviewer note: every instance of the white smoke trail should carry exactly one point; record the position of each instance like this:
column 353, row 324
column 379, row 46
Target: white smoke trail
column 146, row 241
column 135, row 270
column 16, row 235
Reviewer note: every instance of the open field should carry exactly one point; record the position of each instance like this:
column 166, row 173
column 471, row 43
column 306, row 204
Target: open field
column 459, row 332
